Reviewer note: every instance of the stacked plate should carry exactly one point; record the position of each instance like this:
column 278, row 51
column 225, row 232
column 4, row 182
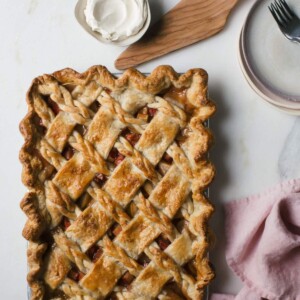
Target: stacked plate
column 270, row 62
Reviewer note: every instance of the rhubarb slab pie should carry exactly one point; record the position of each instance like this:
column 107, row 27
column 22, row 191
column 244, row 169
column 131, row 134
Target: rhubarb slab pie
column 116, row 170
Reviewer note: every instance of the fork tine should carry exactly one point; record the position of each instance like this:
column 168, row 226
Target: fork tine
column 279, row 13
column 273, row 12
column 288, row 9
column 283, row 10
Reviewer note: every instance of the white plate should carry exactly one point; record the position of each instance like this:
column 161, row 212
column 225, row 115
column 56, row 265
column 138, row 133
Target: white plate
column 247, row 75
column 80, row 17
column 270, row 62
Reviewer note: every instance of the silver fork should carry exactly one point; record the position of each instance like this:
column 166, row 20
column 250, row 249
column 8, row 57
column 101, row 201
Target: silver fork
column 287, row 20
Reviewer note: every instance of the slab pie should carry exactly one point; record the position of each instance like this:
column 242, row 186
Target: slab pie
column 116, row 170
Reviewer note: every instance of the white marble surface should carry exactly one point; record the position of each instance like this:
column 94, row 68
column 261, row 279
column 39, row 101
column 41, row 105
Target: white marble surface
column 255, row 147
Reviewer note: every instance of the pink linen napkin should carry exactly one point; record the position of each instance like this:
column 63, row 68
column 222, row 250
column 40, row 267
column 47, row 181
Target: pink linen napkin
column 263, row 243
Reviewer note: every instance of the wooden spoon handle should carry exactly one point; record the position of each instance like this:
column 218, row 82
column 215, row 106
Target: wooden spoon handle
column 188, row 22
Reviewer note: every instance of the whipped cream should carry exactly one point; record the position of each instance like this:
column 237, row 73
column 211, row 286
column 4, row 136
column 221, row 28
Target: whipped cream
column 116, row 20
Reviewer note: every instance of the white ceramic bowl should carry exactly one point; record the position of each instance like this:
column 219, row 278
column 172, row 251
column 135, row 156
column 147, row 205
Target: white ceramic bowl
column 80, row 17
column 268, row 60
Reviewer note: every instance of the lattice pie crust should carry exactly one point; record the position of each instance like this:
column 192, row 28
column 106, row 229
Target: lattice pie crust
column 116, row 171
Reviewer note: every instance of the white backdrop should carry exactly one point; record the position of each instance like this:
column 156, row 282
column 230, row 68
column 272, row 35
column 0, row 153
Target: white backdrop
column 40, row 36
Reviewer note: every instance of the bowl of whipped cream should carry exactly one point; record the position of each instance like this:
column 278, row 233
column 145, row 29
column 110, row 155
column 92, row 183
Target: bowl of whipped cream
column 118, row 22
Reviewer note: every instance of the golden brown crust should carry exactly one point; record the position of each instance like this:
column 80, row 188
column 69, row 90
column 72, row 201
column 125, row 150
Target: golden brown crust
column 35, row 224
column 161, row 78
column 35, row 254
column 37, row 169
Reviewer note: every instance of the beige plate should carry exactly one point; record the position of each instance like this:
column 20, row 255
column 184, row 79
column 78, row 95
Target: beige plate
column 269, row 61
column 80, row 17
column 261, row 94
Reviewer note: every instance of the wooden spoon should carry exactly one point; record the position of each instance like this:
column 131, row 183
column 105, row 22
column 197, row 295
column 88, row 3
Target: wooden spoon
column 188, row 22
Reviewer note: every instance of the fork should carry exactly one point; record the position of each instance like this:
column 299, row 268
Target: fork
column 287, row 20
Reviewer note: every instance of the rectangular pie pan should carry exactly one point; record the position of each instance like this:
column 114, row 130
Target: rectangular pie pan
column 206, row 124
